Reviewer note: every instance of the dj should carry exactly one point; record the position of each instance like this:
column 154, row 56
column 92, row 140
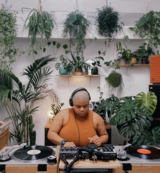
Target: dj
column 78, row 126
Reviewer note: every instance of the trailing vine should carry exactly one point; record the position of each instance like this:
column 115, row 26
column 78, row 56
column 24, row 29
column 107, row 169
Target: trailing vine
column 76, row 26
column 8, row 30
column 40, row 23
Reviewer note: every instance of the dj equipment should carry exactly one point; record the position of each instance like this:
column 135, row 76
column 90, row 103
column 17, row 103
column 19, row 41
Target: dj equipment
column 143, row 152
column 154, row 69
column 74, row 92
column 93, row 152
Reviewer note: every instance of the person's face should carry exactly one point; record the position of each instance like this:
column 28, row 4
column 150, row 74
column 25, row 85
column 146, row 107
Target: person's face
column 81, row 107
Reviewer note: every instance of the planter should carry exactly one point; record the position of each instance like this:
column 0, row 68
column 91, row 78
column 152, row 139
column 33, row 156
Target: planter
column 63, row 71
column 86, row 73
column 145, row 61
column 122, row 61
column 133, row 61
column 78, row 72
column 94, row 71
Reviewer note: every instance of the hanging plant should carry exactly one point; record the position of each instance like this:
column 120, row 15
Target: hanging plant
column 76, row 26
column 39, row 23
column 8, row 52
column 148, row 28
column 115, row 80
column 107, row 22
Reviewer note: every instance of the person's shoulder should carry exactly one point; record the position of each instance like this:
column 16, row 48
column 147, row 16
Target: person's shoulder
column 97, row 117
column 63, row 112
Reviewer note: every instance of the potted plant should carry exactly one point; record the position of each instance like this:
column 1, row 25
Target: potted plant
column 63, row 67
column 144, row 52
column 115, row 80
column 77, row 63
column 76, row 26
column 86, row 67
column 107, row 21
column 123, row 54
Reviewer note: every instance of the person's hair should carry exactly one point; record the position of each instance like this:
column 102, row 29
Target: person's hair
column 81, row 95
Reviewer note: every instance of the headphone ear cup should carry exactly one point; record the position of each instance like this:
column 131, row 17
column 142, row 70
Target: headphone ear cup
column 70, row 102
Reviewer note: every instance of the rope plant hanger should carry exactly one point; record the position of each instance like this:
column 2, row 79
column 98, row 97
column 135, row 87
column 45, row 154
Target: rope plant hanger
column 76, row 26
column 40, row 24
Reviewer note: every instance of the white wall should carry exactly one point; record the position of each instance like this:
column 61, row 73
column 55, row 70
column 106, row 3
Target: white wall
column 136, row 79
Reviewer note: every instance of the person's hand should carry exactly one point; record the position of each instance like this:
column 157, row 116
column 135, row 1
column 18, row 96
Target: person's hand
column 69, row 144
column 95, row 140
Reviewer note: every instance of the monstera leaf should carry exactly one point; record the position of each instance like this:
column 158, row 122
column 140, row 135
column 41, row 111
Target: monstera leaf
column 148, row 137
column 129, row 118
column 149, row 100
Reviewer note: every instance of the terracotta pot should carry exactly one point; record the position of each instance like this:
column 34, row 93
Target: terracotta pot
column 133, row 61
column 122, row 61
column 86, row 72
column 78, row 69
column 145, row 61
column 78, row 72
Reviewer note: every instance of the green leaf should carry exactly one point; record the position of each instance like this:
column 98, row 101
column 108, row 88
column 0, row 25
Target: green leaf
column 35, row 52
column 44, row 49
column 66, row 51
column 126, row 38
column 48, row 43
column 58, row 45
column 65, row 46
column 95, row 38
column 54, row 43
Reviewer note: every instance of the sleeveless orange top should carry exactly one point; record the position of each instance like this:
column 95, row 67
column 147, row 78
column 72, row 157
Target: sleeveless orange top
column 78, row 129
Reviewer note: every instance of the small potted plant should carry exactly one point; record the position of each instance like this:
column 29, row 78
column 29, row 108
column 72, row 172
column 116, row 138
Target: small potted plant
column 144, row 52
column 123, row 54
column 78, row 63
column 63, row 67
column 86, row 67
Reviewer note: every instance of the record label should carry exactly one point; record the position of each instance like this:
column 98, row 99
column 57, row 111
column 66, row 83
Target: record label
column 33, row 152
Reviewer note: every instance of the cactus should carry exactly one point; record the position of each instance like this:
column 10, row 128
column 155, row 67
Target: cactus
column 32, row 134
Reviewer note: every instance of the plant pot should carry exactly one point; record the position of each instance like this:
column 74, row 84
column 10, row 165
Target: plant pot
column 63, row 71
column 86, row 72
column 94, row 71
column 78, row 71
column 133, row 61
column 145, row 61
column 122, row 61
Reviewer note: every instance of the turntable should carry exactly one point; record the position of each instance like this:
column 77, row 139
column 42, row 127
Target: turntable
column 30, row 159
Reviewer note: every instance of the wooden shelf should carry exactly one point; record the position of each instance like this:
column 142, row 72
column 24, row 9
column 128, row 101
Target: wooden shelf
column 135, row 65
column 79, row 76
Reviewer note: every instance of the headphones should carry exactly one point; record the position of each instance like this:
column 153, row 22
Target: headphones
column 74, row 92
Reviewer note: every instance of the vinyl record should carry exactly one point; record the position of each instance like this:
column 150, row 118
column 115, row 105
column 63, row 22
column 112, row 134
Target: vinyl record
column 32, row 153
column 143, row 152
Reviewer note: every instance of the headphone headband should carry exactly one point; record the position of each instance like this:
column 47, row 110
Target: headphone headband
column 74, row 92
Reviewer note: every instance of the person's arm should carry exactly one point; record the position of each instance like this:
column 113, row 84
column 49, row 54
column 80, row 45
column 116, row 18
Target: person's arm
column 101, row 130
column 55, row 128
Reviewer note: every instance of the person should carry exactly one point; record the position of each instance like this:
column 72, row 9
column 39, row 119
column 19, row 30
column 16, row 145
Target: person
column 78, row 126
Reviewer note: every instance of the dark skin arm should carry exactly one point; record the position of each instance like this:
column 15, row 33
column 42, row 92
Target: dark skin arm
column 55, row 128
column 102, row 136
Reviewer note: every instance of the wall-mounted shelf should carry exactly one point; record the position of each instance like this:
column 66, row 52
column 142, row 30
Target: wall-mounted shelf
column 79, row 75
column 135, row 65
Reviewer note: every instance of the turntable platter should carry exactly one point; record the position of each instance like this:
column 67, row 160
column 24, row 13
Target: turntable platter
column 32, row 153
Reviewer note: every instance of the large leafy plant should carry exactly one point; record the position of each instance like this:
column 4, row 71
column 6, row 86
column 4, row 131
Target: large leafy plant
column 39, row 23
column 149, row 100
column 8, row 30
column 76, row 26
column 148, row 28
column 148, row 137
column 18, row 99
column 107, row 21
